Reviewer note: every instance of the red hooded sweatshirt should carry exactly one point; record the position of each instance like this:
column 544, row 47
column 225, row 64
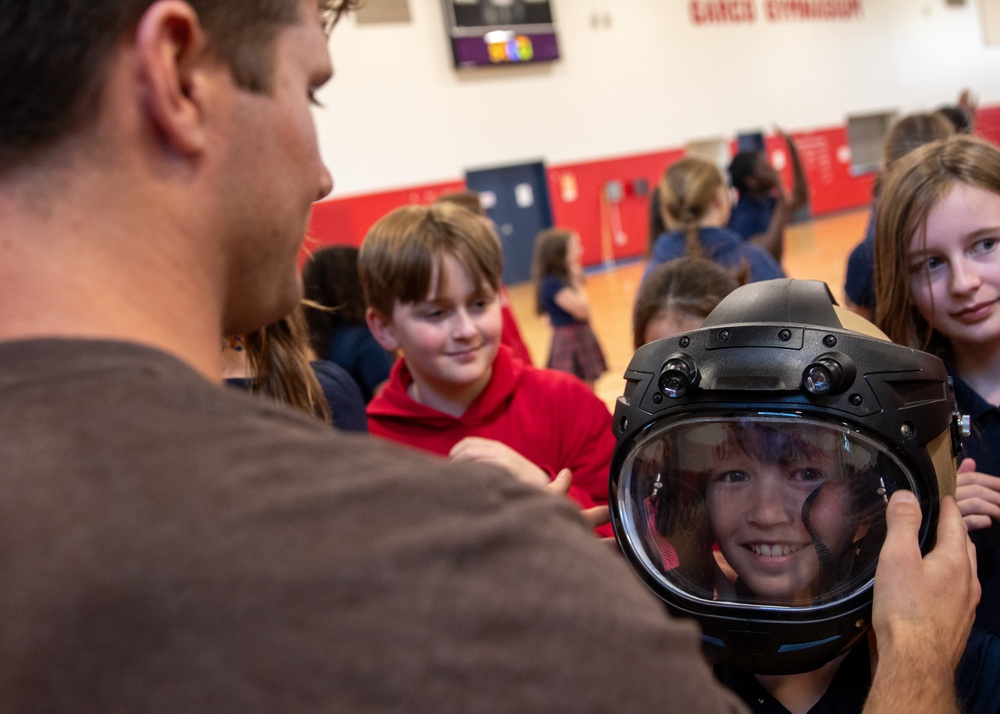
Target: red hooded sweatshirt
column 551, row 418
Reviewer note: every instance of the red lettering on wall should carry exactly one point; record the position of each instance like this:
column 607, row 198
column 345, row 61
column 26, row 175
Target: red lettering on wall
column 782, row 10
column 722, row 12
column 734, row 12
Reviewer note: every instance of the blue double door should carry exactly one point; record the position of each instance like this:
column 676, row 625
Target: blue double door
column 517, row 200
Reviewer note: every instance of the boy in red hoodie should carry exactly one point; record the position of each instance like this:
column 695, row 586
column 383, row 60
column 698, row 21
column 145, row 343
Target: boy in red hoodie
column 431, row 277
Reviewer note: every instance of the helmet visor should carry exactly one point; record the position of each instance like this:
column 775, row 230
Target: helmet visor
column 757, row 509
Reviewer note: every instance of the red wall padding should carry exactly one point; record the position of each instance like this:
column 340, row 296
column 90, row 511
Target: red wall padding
column 609, row 230
column 344, row 221
column 988, row 124
column 613, row 230
column 826, row 159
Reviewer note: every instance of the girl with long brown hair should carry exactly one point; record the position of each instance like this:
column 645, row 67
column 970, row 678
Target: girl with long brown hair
column 937, row 278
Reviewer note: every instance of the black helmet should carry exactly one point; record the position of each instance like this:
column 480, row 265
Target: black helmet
column 754, row 460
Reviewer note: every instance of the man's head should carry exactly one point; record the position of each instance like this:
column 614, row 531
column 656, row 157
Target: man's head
column 177, row 139
column 54, row 57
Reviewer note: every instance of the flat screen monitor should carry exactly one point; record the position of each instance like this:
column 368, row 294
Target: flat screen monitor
column 490, row 33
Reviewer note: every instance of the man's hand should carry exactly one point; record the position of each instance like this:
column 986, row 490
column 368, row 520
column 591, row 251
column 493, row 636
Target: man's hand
column 923, row 610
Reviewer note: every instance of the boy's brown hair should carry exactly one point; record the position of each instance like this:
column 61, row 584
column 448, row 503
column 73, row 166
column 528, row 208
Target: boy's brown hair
column 404, row 251
column 469, row 200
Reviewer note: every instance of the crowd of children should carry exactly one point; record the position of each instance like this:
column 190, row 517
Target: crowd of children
column 435, row 307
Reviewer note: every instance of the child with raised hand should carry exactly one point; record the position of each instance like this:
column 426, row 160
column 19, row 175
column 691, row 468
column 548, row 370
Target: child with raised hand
column 694, row 201
column 431, row 276
column 763, row 210
column 937, row 278
column 561, row 294
column 677, row 297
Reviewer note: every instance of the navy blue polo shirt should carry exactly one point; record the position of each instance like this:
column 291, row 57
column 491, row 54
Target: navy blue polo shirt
column 752, row 215
column 983, row 446
column 859, row 282
column 977, row 681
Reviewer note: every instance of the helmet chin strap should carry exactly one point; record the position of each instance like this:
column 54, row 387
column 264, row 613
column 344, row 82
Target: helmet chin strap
column 829, row 571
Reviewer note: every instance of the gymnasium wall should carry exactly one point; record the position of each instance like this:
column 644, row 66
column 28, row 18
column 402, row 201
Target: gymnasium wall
column 637, row 81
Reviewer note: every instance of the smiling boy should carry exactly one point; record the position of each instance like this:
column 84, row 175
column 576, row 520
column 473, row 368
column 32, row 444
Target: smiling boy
column 431, row 277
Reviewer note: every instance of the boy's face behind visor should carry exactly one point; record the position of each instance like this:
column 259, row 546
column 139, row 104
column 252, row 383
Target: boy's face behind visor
column 450, row 339
column 758, row 509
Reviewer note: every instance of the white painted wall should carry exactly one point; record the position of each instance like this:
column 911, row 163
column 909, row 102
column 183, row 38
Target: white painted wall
column 398, row 114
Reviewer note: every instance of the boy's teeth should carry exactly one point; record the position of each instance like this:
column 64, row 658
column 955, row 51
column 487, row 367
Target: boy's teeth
column 772, row 550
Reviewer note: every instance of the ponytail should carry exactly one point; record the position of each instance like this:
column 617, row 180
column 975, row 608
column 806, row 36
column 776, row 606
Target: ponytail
column 686, row 193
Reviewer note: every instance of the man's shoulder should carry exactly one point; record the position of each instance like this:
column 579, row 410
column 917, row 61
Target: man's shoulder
column 124, row 394
column 129, row 414
column 219, row 542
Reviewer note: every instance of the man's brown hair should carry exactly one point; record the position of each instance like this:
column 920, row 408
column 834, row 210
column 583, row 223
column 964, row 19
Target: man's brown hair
column 54, row 56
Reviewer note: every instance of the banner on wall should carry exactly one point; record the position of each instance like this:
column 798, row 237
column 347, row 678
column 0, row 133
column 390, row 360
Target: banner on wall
column 738, row 12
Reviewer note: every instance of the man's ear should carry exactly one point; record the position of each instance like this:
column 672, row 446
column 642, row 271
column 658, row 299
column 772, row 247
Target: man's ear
column 175, row 69
column 381, row 328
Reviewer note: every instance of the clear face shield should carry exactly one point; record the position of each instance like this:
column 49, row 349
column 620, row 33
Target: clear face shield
column 755, row 457
column 755, row 510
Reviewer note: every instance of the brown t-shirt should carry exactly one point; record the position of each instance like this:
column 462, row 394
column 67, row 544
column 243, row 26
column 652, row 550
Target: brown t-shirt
column 167, row 545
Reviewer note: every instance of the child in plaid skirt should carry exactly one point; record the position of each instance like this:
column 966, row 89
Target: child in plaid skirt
column 562, row 296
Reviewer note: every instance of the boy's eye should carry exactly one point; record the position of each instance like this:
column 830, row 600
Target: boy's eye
column 734, row 476
column 808, row 474
column 432, row 313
